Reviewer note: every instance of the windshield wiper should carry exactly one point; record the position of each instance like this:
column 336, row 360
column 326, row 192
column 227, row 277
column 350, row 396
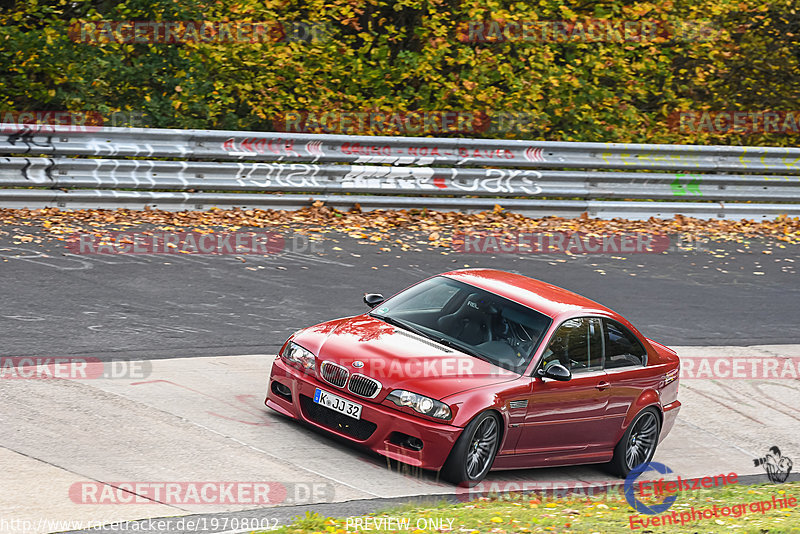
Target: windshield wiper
column 441, row 340
column 462, row 347
column 402, row 324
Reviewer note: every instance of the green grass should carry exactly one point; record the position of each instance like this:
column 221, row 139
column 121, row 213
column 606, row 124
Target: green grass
column 609, row 513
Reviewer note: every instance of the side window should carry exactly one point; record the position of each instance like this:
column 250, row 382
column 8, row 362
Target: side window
column 622, row 347
column 577, row 345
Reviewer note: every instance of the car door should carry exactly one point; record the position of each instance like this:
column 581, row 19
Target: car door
column 568, row 418
column 625, row 358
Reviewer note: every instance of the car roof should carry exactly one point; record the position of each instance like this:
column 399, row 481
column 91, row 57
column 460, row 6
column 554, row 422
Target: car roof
column 548, row 299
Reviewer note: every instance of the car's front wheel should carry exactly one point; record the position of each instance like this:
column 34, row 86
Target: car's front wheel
column 473, row 454
column 638, row 443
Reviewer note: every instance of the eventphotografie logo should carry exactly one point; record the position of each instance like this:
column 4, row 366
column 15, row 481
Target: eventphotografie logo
column 666, row 488
column 656, row 515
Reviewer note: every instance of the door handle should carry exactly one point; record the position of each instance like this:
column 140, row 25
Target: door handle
column 602, row 385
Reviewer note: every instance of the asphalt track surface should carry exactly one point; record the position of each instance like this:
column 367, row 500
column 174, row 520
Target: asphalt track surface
column 195, row 316
column 135, row 306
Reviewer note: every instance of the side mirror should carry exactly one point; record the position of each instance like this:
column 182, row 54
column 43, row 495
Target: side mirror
column 556, row 371
column 373, row 299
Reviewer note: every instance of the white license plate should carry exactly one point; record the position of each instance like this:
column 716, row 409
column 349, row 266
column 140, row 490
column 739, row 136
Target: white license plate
column 337, row 403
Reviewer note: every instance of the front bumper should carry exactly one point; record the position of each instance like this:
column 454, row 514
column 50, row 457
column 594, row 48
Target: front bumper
column 380, row 428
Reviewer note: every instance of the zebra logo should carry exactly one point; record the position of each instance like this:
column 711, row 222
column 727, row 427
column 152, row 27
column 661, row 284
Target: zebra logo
column 314, row 148
column 534, row 154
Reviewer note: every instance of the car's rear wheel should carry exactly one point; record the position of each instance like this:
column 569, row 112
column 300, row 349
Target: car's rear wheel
column 473, row 454
column 638, row 443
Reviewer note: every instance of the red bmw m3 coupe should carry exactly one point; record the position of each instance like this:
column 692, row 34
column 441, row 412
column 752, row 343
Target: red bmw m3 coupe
column 479, row 369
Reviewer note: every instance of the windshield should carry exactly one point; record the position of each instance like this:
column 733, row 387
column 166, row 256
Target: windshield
column 469, row 319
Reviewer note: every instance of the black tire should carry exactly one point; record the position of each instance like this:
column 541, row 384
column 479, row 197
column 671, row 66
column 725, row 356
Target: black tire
column 638, row 443
column 473, row 454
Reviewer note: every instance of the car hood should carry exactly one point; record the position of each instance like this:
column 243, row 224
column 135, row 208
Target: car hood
column 397, row 358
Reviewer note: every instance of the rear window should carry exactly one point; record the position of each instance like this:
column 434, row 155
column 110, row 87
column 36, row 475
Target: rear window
column 622, row 347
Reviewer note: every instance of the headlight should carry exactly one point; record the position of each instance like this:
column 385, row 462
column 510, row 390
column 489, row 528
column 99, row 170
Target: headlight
column 420, row 403
column 300, row 357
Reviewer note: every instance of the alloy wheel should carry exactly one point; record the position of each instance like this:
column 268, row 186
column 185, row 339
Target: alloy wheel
column 482, row 447
column 642, row 440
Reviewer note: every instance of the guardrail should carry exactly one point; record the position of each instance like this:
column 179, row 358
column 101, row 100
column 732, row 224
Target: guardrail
column 198, row 169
